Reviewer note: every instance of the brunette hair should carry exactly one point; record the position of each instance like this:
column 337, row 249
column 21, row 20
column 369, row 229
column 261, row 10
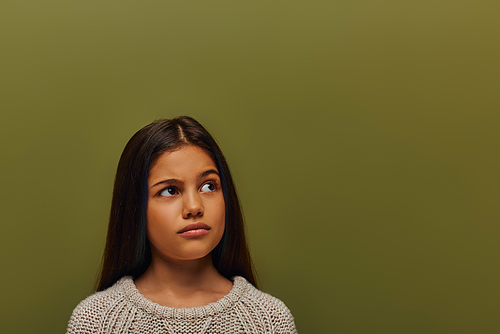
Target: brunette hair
column 127, row 250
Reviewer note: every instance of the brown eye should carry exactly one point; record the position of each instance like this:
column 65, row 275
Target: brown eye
column 208, row 187
column 169, row 191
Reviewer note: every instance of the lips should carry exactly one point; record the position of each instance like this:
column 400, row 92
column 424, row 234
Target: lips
column 194, row 230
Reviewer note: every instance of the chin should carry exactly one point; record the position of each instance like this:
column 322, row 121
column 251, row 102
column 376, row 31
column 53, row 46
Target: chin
column 196, row 255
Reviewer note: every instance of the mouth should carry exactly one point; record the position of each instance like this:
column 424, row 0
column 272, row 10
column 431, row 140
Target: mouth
column 194, row 230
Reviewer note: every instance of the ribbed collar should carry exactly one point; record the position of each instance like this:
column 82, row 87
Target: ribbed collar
column 240, row 285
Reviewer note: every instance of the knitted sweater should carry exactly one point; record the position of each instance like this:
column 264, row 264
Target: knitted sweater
column 123, row 309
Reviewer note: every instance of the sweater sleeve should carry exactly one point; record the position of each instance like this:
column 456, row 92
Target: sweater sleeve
column 83, row 320
column 94, row 314
column 277, row 315
column 282, row 319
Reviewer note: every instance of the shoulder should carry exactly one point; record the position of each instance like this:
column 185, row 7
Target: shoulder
column 91, row 313
column 261, row 304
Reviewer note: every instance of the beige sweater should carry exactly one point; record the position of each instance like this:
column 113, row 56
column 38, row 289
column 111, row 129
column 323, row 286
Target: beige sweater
column 123, row 309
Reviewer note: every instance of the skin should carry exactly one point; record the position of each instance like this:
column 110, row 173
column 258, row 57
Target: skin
column 184, row 188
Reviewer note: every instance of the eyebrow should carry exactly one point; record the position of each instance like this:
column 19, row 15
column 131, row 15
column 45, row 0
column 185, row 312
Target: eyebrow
column 208, row 172
column 176, row 181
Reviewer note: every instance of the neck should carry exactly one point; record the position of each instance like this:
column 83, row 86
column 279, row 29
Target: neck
column 182, row 283
column 180, row 273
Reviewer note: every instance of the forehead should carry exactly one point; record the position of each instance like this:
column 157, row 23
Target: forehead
column 183, row 162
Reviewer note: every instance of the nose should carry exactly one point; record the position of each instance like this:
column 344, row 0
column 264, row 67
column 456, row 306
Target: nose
column 193, row 206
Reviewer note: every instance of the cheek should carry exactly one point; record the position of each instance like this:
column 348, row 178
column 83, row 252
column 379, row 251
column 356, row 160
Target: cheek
column 215, row 214
column 220, row 212
column 160, row 221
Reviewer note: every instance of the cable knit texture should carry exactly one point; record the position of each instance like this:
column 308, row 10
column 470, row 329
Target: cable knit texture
column 123, row 309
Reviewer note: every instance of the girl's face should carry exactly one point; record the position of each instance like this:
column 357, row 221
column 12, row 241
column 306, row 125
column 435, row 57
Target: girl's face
column 185, row 214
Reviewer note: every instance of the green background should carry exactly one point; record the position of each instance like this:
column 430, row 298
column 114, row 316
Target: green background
column 363, row 137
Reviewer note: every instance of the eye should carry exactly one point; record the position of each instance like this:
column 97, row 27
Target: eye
column 209, row 187
column 169, row 191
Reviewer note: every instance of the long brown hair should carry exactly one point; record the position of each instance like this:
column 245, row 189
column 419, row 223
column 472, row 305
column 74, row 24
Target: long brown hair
column 127, row 250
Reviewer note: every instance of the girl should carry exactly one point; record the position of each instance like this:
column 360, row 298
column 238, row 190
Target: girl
column 176, row 258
